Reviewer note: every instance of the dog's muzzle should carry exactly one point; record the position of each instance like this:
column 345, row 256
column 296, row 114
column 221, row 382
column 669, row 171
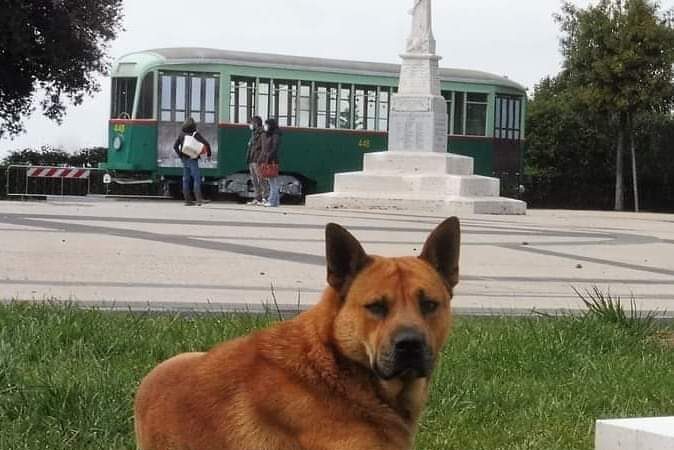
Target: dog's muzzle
column 407, row 355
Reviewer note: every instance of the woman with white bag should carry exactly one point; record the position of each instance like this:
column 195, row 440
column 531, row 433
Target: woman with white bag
column 189, row 146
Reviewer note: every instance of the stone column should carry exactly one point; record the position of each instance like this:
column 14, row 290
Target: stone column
column 418, row 120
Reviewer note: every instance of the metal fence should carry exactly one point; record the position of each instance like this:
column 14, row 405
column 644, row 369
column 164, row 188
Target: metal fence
column 27, row 181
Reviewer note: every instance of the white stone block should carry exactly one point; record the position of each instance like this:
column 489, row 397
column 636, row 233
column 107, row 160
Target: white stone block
column 398, row 201
column 635, row 434
column 418, row 124
column 370, row 182
column 455, row 185
column 419, row 74
column 473, row 186
column 414, row 163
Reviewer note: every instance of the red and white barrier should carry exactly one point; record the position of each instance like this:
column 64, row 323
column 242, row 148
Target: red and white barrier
column 58, row 172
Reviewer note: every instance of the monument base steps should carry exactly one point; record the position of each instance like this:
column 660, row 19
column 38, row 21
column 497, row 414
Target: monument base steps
column 459, row 206
column 412, row 181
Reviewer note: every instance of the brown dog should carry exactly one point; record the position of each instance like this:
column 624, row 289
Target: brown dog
column 351, row 373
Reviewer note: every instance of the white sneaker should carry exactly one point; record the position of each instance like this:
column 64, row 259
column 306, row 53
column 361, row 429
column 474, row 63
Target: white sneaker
column 266, row 204
column 253, row 202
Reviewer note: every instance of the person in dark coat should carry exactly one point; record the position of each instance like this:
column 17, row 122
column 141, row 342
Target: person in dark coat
column 191, row 173
column 271, row 145
column 252, row 157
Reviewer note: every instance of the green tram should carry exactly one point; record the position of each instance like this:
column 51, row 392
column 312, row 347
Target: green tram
column 330, row 111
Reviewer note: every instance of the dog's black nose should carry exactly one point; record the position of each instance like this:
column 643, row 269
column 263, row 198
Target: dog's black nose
column 409, row 342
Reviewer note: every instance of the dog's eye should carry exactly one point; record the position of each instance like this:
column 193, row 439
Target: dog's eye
column 428, row 306
column 379, row 309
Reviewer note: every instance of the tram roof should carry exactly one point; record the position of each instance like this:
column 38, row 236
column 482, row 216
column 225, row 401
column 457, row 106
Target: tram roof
column 194, row 55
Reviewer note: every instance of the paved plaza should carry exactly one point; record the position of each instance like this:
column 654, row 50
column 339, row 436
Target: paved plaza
column 223, row 256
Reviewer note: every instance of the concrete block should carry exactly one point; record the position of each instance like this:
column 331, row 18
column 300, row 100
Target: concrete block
column 635, row 434
column 357, row 182
column 397, row 201
column 412, row 163
column 474, row 186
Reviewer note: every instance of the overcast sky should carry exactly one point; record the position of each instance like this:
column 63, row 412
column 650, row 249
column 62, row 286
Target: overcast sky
column 517, row 38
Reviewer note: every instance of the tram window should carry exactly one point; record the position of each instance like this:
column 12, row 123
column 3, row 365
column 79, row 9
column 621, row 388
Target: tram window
column 146, row 103
column 360, row 102
column 292, row 104
column 497, row 118
column 459, row 105
column 345, row 108
column 476, row 114
column 123, row 93
column 322, row 107
column 332, row 107
column 285, row 99
column 326, row 106
column 516, row 120
column 304, row 120
column 210, row 101
column 371, row 110
column 181, row 98
column 503, row 123
column 242, row 96
column 476, row 98
column 195, row 98
column 507, row 119
column 165, row 95
column 244, row 93
column 263, row 99
column 233, row 102
column 383, row 109
column 281, row 101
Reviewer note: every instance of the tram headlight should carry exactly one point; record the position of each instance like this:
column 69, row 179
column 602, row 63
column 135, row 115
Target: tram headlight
column 117, row 142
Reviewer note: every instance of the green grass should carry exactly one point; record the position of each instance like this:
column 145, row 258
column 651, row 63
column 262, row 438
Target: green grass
column 67, row 377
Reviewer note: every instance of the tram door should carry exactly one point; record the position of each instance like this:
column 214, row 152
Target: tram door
column 507, row 134
column 183, row 95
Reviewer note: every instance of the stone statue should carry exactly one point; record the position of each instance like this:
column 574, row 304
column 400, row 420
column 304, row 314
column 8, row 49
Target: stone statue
column 421, row 39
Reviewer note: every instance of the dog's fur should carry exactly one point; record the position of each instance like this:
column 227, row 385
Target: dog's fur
column 351, row 373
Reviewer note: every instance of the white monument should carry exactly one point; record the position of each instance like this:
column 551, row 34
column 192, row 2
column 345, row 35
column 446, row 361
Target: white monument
column 417, row 173
column 418, row 119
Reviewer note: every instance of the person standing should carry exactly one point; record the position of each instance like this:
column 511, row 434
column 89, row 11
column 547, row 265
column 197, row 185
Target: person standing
column 252, row 157
column 191, row 172
column 269, row 161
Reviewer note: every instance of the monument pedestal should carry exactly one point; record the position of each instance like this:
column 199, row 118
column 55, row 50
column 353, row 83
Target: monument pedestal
column 418, row 120
column 417, row 173
column 413, row 181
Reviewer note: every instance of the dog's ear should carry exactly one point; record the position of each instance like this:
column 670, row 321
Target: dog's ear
column 442, row 250
column 345, row 257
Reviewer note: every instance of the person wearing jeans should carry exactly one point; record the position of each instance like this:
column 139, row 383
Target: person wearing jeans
column 252, row 156
column 274, row 192
column 191, row 172
column 271, row 143
column 191, row 181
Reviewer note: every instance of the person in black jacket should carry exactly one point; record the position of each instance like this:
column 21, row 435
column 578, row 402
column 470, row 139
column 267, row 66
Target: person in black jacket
column 191, row 173
column 271, row 144
column 252, row 157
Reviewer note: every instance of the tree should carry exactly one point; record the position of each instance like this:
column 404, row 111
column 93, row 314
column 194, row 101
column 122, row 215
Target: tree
column 89, row 157
column 49, row 156
column 566, row 145
column 618, row 58
column 571, row 149
column 564, row 138
column 56, row 46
